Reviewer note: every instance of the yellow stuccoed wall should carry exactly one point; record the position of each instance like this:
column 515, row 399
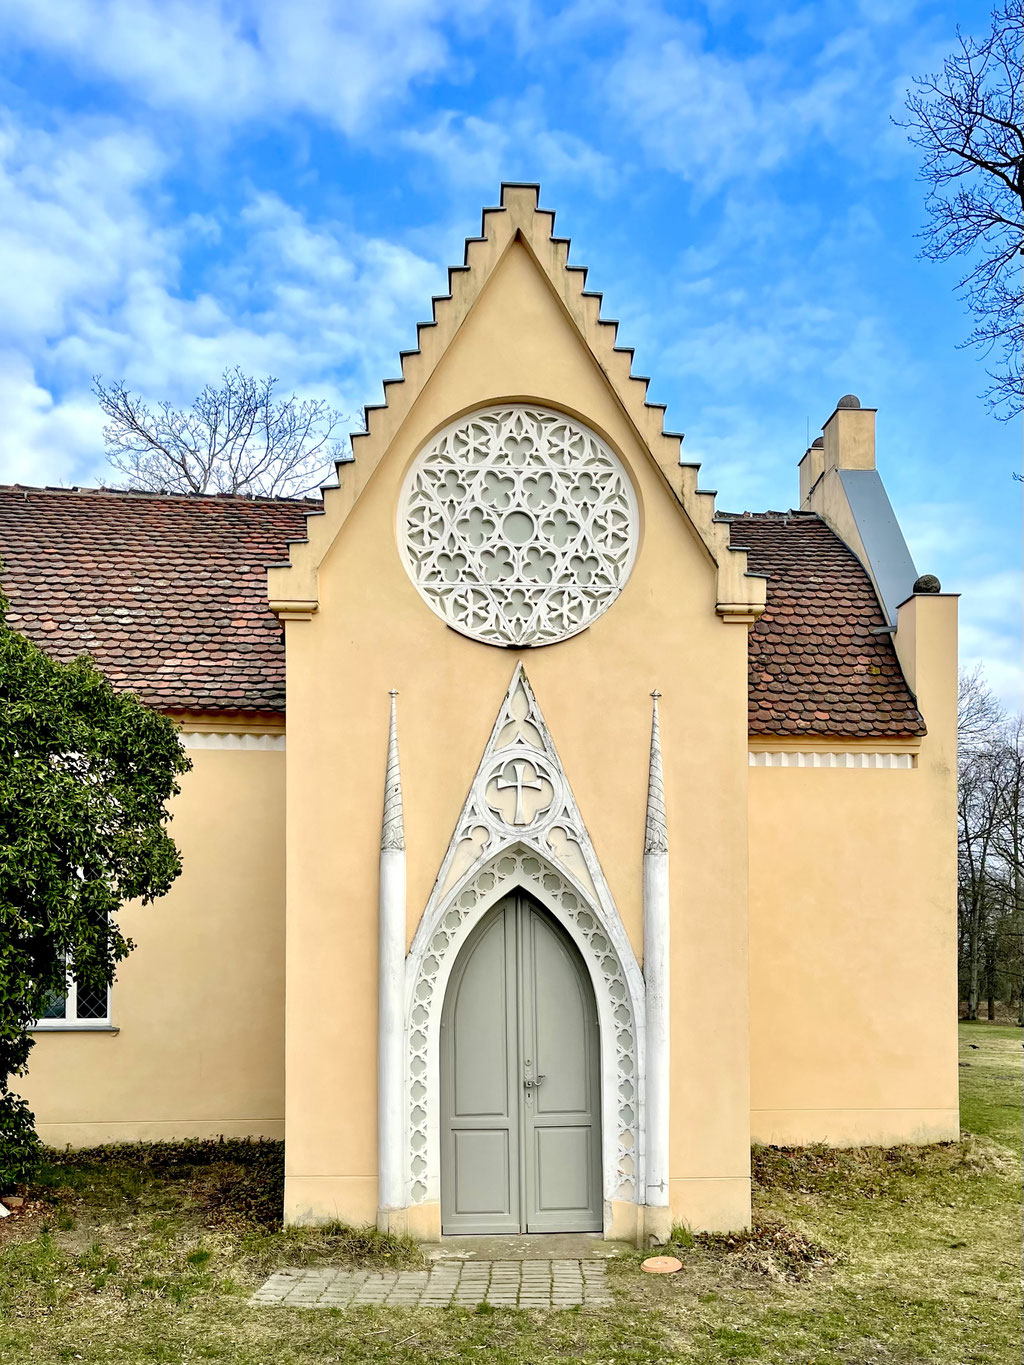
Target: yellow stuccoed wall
column 373, row 632
column 853, row 995
column 199, row 1004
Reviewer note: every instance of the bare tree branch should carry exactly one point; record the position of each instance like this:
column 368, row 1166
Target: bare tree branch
column 990, row 820
column 979, row 714
column 966, row 120
column 236, row 438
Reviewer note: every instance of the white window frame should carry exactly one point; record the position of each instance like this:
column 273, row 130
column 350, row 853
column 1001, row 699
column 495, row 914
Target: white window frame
column 70, row 1020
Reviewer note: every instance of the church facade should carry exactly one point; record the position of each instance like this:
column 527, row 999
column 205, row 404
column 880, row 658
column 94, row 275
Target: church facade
column 552, row 835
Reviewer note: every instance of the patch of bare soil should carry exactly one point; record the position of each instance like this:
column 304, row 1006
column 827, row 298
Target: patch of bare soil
column 771, row 1249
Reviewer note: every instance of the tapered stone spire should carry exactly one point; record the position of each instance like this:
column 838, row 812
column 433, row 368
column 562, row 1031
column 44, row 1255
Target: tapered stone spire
column 392, row 833
column 657, row 933
column 656, row 834
column 391, row 991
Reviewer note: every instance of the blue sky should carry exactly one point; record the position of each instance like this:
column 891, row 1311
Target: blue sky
column 187, row 185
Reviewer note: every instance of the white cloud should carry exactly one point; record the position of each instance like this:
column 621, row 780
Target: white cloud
column 761, row 343
column 720, row 116
column 744, row 456
column 697, row 113
column 344, row 62
column 948, row 539
column 513, row 142
column 71, row 221
column 46, row 441
column 96, row 288
column 937, row 530
column 990, row 613
column 73, row 230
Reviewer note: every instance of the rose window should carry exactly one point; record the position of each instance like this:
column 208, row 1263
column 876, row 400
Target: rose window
column 518, row 526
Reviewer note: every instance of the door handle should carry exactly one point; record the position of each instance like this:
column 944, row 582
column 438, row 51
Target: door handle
column 533, row 1084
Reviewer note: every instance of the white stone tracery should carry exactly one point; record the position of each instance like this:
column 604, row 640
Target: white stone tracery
column 518, row 526
column 527, row 833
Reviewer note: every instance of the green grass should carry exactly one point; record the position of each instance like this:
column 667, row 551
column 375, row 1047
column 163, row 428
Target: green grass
column 889, row 1257
column 990, row 1079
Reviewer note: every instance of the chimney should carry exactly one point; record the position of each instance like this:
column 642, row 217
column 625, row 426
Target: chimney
column 850, row 436
column 839, row 482
column 812, row 466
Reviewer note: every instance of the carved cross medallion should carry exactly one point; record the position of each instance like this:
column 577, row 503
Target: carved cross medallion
column 519, row 783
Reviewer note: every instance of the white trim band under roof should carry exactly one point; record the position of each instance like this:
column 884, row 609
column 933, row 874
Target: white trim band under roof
column 788, row 758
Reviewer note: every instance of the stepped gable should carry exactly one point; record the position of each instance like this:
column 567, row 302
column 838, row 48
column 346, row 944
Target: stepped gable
column 816, row 665
column 517, row 221
column 168, row 593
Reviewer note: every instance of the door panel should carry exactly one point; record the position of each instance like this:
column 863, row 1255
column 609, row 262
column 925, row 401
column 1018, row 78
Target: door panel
column 563, row 1166
column 520, row 1081
column 482, row 1172
column 561, row 1023
column 560, row 1045
column 479, row 1083
column 480, row 1080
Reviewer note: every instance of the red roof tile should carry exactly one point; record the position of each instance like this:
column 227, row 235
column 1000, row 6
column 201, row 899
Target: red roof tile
column 169, row 596
column 167, row 593
column 816, row 667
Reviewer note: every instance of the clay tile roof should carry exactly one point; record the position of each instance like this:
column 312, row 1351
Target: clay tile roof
column 167, row 593
column 816, row 667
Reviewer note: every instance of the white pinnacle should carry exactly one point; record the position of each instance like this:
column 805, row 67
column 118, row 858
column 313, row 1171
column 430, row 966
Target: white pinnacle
column 392, row 834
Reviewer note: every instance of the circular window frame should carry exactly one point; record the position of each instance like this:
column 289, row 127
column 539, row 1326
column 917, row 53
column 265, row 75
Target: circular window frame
column 559, row 598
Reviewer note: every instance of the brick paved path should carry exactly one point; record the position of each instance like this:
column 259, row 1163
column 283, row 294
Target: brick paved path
column 509, row 1284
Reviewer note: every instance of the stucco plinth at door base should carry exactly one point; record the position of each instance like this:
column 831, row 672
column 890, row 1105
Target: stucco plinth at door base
column 313, row 1199
column 623, row 1222
column 711, row 1203
column 703, row 1205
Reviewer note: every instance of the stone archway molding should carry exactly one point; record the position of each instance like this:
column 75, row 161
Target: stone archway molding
column 521, row 828
column 620, row 1016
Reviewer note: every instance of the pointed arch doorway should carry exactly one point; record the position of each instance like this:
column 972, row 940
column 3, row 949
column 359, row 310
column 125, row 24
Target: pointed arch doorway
column 520, row 1080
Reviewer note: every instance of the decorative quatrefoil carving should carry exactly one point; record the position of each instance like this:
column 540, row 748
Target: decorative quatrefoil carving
column 518, row 526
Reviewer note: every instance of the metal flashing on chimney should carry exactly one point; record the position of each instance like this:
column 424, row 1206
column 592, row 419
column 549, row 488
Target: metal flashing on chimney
column 889, row 562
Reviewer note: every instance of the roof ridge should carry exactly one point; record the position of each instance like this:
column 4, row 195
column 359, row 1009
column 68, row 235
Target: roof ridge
column 163, row 494
column 770, row 515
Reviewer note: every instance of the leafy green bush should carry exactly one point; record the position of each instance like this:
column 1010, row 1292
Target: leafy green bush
column 85, row 777
column 19, row 1146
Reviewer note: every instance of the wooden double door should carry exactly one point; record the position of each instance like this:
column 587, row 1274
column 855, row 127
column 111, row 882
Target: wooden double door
column 520, row 1081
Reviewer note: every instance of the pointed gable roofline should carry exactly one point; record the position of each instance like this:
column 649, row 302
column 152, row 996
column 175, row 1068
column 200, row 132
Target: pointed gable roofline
column 292, row 587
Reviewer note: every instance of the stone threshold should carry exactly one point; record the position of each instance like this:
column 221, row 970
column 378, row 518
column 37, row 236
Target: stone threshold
column 545, row 1246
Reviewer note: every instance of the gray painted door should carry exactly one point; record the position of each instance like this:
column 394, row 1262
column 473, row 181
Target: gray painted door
column 520, row 1087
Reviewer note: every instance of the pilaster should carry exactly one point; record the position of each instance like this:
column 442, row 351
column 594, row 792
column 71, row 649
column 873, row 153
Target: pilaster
column 657, row 928
column 391, row 990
